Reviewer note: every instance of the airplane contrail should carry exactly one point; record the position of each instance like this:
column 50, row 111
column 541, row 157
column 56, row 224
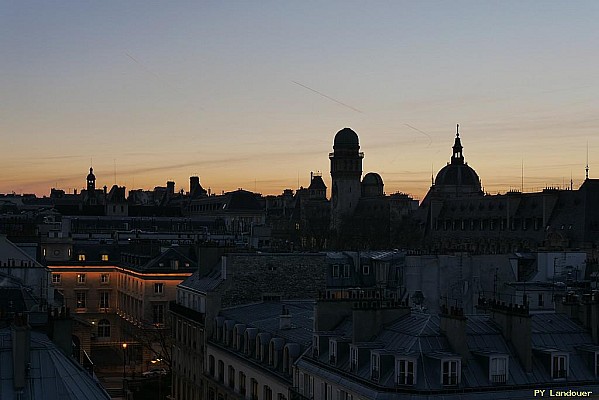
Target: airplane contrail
column 430, row 139
column 328, row 97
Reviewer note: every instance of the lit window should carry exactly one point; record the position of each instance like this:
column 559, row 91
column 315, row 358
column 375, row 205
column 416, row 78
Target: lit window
column 159, row 288
column 104, row 257
column 81, row 299
column 55, row 278
column 80, row 278
column 104, row 278
column 44, row 252
column 81, row 257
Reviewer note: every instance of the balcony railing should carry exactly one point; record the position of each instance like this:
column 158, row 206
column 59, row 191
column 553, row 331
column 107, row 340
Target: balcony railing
column 499, row 378
column 332, row 359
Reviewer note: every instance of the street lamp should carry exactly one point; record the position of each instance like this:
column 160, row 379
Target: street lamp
column 124, row 358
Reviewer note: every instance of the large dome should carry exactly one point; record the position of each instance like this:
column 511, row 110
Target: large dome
column 372, row 185
column 346, row 137
column 457, row 175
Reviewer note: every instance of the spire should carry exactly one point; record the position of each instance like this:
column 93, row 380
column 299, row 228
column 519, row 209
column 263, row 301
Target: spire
column 587, row 167
column 457, row 156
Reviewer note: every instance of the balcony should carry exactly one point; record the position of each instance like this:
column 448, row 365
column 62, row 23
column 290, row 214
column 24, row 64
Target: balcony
column 186, row 312
column 499, row 378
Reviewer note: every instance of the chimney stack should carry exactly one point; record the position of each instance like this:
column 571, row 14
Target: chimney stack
column 194, row 184
column 285, row 319
column 453, row 326
column 21, row 337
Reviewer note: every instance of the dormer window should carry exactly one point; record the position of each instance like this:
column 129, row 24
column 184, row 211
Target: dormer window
column 450, row 372
column 353, row 359
column 559, row 366
column 104, row 257
column 81, row 257
column 405, row 371
column 498, row 369
column 315, row 348
column 375, row 367
column 346, row 270
column 335, row 270
column 332, row 351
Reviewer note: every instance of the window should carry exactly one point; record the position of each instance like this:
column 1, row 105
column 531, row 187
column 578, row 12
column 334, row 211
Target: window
column 332, row 351
column 211, row 365
column 104, row 328
column 80, row 278
column 450, row 373
column 175, row 264
column 353, row 359
column 541, row 300
column 81, row 299
column 159, row 288
column 231, row 377
column 55, row 278
column 104, row 257
column 559, row 366
column 44, row 252
column 346, row 270
column 405, row 372
column 221, row 371
column 335, row 270
column 241, row 383
column 315, row 346
column 498, row 369
column 158, row 313
column 254, row 389
column 597, row 364
column 104, row 299
column 267, row 393
column 375, row 366
column 104, row 278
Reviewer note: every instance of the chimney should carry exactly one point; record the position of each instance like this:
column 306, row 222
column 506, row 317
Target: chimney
column 453, row 325
column 74, row 191
column 194, row 184
column 21, row 337
column 61, row 330
column 370, row 315
column 170, row 188
column 515, row 325
column 284, row 319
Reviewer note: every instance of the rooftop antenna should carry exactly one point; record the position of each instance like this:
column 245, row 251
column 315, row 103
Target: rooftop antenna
column 587, row 167
column 522, row 177
column 432, row 174
column 571, row 181
column 114, row 171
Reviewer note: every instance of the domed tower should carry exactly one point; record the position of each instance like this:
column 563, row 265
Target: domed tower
column 346, row 172
column 372, row 185
column 91, row 181
column 457, row 178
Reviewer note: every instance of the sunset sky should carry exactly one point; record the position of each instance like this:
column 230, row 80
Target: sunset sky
column 251, row 93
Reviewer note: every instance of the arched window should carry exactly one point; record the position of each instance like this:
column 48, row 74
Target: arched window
column 104, row 328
